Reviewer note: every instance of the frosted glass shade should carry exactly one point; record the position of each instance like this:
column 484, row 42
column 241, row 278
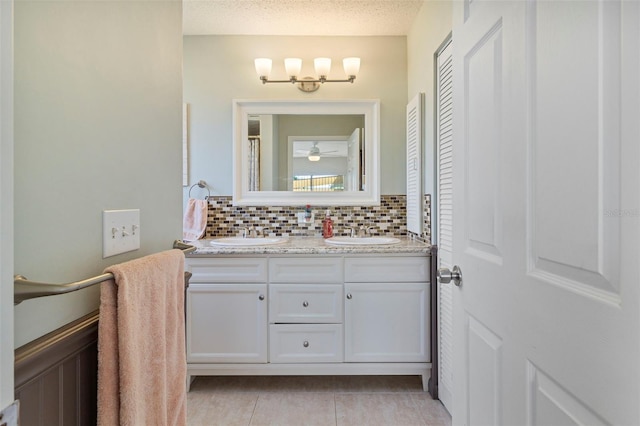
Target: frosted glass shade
column 263, row 67
column 351, row 66
column 293, row 66
column 314, row 157
column 322, row 66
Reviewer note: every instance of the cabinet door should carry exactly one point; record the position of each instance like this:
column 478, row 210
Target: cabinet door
column 386, row 322
column 227, row 323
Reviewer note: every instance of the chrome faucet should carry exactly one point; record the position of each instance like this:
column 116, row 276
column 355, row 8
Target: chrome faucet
column 249, row 232
column 252, row 232
column 361, row 231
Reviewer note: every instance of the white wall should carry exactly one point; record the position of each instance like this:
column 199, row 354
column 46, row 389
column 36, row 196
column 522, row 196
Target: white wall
column 98, row 118
column 218, row 69
column 430, row 28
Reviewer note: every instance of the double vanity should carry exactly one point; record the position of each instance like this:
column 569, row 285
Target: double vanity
column 305, row 306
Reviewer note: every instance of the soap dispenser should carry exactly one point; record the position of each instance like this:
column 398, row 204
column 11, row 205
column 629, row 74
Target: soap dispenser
column 327, row 225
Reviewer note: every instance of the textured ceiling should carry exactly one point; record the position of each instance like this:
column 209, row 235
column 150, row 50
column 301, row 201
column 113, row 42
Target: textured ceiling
column 299, row 17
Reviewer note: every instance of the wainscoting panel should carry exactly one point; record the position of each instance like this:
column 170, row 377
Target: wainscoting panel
column 56, row 376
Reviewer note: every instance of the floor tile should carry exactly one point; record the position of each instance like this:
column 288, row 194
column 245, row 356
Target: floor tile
column 432, row 411
column 228, row 409
column 376, row 409
column 312, row 400
column 294, row 409
column 378, row 384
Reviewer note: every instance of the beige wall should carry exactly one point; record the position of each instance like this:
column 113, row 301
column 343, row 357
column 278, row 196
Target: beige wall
column 218, row 69
column 430, row 29
column 98, row 119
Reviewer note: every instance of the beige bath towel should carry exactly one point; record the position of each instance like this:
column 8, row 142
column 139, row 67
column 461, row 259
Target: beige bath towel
column 195, row 219
column 141, row 347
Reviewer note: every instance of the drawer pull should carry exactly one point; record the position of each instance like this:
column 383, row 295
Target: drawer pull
column 349, row 296
column 305, row 303
column 305, row 344
column 261, row 297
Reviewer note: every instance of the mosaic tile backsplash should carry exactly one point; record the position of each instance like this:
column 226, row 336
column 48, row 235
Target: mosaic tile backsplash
column 389, row 218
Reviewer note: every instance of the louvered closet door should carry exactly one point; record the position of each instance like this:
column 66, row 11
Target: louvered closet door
column 414, row 164
column 444, row 142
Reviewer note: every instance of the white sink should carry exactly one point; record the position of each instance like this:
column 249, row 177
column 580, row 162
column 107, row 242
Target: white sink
column 246, row 242
column 361, row 241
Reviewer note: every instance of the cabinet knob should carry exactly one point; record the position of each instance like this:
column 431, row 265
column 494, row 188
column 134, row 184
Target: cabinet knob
column 349, row 296
column 305, row 344
column 305, row 303
column 261, row 297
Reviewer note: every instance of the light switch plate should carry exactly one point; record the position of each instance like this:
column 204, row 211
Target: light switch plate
column 10, row 416
column 120, row 231
column 303, row 221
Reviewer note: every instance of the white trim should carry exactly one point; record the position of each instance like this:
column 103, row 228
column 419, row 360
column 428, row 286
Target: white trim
column 6, row 203
column 243, row 108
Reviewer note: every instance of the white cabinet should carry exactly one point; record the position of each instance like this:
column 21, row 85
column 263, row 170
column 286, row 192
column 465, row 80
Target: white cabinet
column 305, row 303
column 305, row 310
column 301, row 343
column 387, row 309
column 386, row 322
column 308, row 314
column 226, row 310
column 227, row 323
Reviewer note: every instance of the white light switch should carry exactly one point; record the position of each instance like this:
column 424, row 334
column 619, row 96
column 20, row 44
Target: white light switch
column 120, row 231
column 10, row 415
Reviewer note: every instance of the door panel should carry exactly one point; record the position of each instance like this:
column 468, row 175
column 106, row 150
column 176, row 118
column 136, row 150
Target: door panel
column 573, row 241
column 485, row 363
column 483, row 106
column 549, row 404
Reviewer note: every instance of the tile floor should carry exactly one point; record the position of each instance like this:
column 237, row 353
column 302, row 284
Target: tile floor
column 307, row 401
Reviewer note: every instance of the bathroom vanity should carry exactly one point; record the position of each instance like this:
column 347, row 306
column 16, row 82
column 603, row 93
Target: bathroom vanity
column 307, row 308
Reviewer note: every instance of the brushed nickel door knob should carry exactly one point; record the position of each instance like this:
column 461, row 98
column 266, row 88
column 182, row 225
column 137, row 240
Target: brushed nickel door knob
column 445, row 276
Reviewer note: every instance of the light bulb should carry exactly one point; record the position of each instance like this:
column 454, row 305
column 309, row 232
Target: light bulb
column 351, row 66
column 263, row 67
column 322, row 66
column 293, row 66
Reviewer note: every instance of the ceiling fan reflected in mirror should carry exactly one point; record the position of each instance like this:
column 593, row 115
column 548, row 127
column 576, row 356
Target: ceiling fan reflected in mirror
column 314, row 153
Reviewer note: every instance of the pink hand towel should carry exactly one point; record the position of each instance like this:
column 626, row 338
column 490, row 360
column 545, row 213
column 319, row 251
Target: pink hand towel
column 141, row 348
column 195, row 220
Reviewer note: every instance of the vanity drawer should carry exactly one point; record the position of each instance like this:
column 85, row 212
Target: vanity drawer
column 387, row 269
column 317, row 269
column 227, row 270
column 302, row 343
column 305, row 303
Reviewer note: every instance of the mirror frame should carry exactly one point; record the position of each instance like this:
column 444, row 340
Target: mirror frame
column 242, row 109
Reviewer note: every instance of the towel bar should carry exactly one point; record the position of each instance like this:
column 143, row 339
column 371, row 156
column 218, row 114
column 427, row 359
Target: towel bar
column 24, row 289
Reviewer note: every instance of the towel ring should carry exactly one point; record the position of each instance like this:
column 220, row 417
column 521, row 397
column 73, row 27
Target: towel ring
column 201, row 184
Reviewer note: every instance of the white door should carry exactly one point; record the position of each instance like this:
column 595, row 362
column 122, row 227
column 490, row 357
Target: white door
column 6, row 203
column 547, row 217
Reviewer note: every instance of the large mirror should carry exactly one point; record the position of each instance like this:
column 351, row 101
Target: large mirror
column 306, row 152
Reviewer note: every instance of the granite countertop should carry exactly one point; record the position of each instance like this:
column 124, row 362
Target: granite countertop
column 309, row 245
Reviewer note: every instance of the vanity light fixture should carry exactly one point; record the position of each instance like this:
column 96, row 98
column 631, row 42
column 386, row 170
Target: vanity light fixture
column 293, row 67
